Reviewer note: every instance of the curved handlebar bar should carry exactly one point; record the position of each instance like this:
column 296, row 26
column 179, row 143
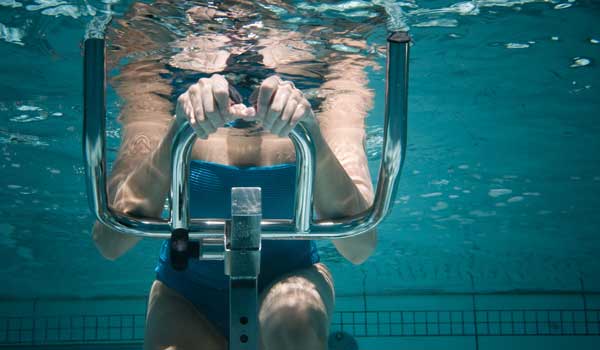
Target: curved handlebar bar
column 302, row 226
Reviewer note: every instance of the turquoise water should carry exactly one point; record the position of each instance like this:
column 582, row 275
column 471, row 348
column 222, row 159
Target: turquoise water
column 499, row 191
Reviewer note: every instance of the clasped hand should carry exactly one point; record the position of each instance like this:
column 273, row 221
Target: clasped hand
column 207, row 105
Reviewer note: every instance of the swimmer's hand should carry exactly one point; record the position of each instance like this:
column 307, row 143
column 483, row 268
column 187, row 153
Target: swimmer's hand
column 280, row 106
column 207, row 105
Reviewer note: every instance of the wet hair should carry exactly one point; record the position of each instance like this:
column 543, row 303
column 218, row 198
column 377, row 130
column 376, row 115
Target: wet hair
column 235, row 95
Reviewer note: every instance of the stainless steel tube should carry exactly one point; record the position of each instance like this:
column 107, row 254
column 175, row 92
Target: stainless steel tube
column 395, row 124
column 94, row 124
column 302, row 227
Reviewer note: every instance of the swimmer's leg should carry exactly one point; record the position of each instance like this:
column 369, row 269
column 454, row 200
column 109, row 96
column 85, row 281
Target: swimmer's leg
column 173, row 323
column 296, row 309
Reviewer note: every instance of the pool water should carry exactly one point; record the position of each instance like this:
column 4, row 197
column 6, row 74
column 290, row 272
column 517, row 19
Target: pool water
column 499, row 192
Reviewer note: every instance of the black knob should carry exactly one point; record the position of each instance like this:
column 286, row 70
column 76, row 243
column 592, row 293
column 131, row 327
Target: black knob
column 179, row 247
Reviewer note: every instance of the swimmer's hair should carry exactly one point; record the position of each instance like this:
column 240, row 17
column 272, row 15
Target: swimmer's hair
column 235, row 95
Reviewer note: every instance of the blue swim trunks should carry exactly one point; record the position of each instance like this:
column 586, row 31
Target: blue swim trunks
column 204, row 283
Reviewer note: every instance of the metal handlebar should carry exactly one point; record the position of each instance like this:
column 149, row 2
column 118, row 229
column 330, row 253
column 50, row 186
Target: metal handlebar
column 302, row 226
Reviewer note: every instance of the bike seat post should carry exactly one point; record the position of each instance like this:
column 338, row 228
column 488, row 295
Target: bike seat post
column 242, row 265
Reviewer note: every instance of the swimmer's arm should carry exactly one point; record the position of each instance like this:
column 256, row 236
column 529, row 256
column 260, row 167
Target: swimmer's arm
column 343, row 186
column 342, row 189
column 138, row 187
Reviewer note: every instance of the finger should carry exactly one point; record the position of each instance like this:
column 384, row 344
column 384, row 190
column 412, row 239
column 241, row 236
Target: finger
column 195, row 103
column 285, row 118
column 279, row 101
column 208, row 103
column 298, row 114
column 198, row 108
column 185, row 109
column 221, row 94
column 266, row 93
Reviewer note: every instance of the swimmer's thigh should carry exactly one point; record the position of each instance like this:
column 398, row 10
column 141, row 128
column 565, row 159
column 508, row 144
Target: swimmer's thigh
column 173, row 323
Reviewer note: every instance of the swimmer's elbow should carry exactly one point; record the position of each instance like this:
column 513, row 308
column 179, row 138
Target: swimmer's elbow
column 359, row 248
column 110, row 244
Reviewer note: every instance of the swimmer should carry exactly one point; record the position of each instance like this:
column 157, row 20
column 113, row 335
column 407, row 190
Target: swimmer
column 230, row 46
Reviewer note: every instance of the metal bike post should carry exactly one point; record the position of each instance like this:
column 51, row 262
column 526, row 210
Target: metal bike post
column 242, row 265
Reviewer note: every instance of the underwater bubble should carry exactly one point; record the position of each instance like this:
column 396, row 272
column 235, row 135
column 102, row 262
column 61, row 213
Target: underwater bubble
column 440, row 206
column 580, row 62
column 257, row 24
column 499, row 192
column 25, row 118
column 345, row 48
column 440, row 182
column 465, row 8
column 481, row 213
column 516, row 46
column 57, row 114
column 42, row 4
column 12, row 35
column 432, row 194
column 10, row 3
column 446, row 23
column 515, row 199
column 26, row 108
column 562, row 6
column 554, row 38
column 65, row 10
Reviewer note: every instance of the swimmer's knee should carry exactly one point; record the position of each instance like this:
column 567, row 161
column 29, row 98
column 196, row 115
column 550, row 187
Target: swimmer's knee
column 293, row 318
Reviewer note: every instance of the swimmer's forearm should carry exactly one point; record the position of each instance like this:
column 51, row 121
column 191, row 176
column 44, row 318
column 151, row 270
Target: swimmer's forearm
column 112, row 244
column 337, row 195
column 144, row 191
column 141, row 194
